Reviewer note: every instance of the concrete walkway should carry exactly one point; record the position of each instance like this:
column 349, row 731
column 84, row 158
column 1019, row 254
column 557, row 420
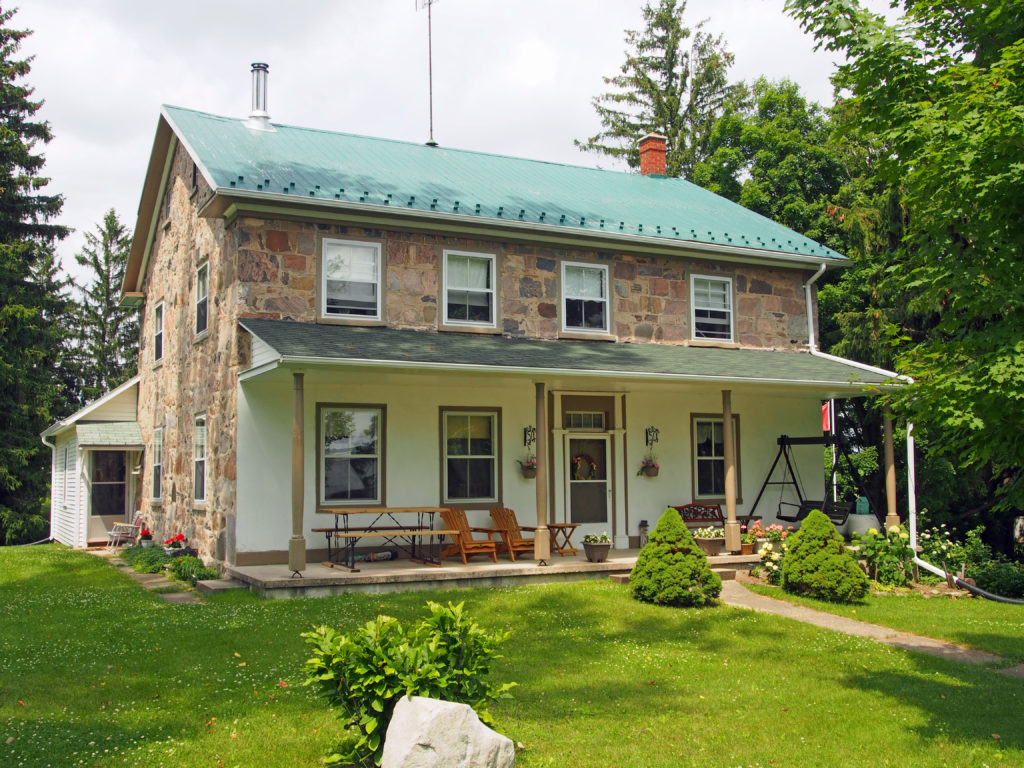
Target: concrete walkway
column 738, row 596
column 150, row 581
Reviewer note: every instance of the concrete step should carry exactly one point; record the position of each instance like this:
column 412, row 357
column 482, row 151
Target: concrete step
column 726, row 574
column 215, row 586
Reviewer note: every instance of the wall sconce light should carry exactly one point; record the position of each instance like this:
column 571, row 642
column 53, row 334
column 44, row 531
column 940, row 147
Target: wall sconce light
column 651, row 436
column 529, row 436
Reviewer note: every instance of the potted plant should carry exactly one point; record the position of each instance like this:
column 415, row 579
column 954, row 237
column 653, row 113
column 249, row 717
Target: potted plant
column 748, row 538
column 175, row 545
column 596, row 547
column 710, row 539
column 648, row 467
column 528, row 466
column 146, row 538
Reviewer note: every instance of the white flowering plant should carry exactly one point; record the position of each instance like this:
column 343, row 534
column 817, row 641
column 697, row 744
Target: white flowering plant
column 888, row 555
column 711, row 532
column 772, row 554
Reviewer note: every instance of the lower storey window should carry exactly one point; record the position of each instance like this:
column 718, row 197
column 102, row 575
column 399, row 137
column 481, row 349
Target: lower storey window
column 351, row 448
column 470, row 444
column 709, row 456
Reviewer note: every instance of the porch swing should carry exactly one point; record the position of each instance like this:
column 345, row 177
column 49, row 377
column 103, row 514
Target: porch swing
column 837, row 511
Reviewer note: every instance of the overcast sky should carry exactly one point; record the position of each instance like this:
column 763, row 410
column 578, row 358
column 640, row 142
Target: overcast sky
column 513, row 77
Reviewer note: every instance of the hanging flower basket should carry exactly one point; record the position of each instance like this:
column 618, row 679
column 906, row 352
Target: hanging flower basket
column 651, row 471
column 528, row 467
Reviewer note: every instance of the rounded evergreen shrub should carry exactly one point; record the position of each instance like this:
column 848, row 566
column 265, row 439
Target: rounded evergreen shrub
column 672, row 569
column 817, row 564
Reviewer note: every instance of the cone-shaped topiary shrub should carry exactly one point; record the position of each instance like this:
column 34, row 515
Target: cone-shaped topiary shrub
column 672, row 569
column 817, row 564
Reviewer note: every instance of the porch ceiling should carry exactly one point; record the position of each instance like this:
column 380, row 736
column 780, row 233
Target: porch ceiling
column 295, row 343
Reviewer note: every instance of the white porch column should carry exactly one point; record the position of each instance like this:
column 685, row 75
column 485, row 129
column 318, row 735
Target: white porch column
column 297, row 543
column 891, row 515
column 732, row 527
column 542, row 536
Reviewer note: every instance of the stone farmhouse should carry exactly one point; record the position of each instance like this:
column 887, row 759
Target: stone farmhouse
column 331, row 319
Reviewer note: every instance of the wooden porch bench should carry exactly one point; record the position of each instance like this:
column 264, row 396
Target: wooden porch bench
column 708, row 515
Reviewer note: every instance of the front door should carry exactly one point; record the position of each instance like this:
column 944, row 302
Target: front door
column 588, row 485
column 108, row 492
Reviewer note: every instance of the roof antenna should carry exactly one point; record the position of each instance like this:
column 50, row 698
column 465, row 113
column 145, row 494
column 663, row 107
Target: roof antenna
column 430, row 64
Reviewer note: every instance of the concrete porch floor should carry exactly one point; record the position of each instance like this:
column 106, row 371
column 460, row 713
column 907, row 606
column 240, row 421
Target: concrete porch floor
column 318, row 580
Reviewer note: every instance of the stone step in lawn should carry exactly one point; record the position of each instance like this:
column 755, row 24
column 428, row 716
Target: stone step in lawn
column 215, row 586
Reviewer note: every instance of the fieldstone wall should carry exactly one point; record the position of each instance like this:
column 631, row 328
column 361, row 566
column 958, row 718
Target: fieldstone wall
column 197, row 374
column 278, row 273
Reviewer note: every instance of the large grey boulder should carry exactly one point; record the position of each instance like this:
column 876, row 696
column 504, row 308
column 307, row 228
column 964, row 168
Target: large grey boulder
column 429, row 733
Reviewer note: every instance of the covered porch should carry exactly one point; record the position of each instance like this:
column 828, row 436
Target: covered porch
column 408, row 418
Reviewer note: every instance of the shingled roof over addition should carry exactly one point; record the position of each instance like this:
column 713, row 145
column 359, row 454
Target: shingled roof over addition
column 301, row 165
column 307, row 343
column 100, row 434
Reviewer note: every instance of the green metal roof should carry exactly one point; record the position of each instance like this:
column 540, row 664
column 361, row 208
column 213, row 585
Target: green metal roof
column 308, row 342
column 100, row 434
column 304, row 164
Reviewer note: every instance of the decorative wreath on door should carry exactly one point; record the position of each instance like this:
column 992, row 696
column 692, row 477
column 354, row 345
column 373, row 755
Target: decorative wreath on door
column 583, row 467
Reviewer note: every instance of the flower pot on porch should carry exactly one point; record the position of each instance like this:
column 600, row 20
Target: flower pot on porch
column 528, row 472
column 596, row 552
column 747, row 548
column 146, row 543
column 173, row 551
column 711, row 547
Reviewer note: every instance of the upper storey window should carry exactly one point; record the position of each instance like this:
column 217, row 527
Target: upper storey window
column 202, row 299
column 158, row 332
column 469, row 288
column 351, row 279
column 712, row 307
column 584, row 298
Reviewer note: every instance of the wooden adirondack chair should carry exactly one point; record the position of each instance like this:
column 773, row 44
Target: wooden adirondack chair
column 511, row 532
column 464, row 543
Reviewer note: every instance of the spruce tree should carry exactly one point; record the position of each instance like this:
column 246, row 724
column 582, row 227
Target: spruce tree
column 30, row 334
column 109, row 336
column 674, row 82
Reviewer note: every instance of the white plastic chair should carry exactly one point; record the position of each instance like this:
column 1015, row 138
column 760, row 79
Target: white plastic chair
column 124, row 533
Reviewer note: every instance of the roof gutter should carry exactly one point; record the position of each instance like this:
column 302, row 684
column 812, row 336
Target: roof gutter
column 216, row 207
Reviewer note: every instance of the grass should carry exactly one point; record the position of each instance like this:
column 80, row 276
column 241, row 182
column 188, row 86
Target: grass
column 95, row 671
column 972, row 622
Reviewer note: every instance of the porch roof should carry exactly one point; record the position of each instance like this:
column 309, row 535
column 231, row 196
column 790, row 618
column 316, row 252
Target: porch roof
column 109, row 434
column 287, row 342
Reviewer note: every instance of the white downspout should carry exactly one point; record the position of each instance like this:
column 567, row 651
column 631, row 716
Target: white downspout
column 812, row 343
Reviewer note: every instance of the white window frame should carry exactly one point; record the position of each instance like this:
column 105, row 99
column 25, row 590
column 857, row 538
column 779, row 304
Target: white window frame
column 158, row 463
column 694, row 420
column 203, row 297
column 494, row 456
column 492, row 292
column 694, row 308
column 200, row 441
column 158, row 332
column 326, row 244
column 323, row 455
column 566, row 297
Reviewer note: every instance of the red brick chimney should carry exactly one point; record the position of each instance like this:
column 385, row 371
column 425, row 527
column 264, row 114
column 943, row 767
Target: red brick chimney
column 652, row 155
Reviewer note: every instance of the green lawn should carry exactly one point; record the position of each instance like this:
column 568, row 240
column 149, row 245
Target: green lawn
column 96, row 672
column 973, row 622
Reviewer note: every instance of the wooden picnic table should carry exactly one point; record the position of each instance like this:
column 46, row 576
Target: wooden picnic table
column 343, row 536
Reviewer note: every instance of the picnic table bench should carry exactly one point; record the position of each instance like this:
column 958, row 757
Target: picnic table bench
column 343, row 537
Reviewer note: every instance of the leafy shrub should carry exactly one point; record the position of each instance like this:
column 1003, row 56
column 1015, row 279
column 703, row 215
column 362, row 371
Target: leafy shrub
column 443, row 656
column 939, row 548
column 817, row 564
column 191, row 568
column 1000, row 577
column 671, row 569
column 888, row 557
column 145, row 559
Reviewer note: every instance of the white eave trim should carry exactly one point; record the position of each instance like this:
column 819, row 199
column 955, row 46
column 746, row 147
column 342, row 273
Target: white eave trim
column 85, row 411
